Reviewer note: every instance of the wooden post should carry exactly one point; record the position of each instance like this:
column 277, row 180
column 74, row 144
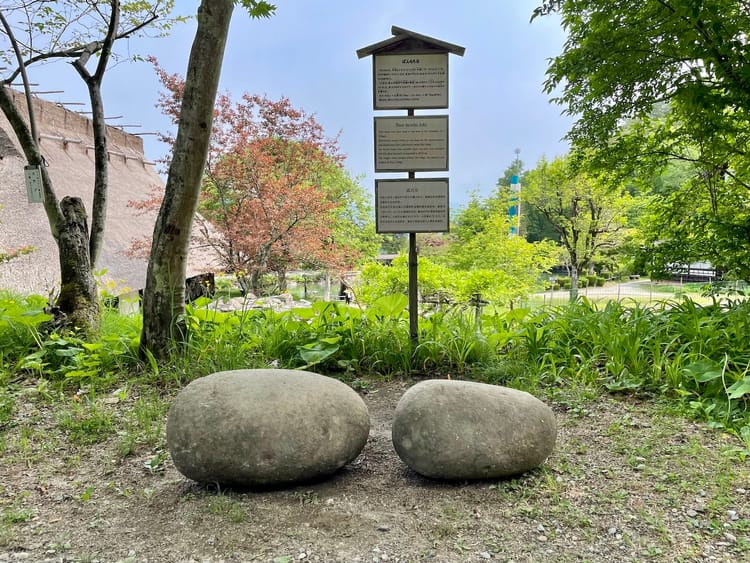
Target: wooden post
column 413, row 278
column 413, row 293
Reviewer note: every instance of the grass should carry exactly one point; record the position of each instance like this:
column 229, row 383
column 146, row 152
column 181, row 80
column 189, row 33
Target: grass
column 226, row 507
column 143, row 424
column 87, row 423
column 696, row 356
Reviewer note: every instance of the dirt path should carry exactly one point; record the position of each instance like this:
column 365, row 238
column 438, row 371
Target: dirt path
column 626, row 483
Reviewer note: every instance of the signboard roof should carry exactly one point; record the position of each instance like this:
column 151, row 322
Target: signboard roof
column 404, row 40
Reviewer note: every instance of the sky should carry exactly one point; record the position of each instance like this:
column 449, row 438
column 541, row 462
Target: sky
column 307, row 53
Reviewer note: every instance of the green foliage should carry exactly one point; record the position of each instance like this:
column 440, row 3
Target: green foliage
column 509, row 274
column 588, row 208
column 378, row 280
column 694, row 356
column 71, row 357
column 621, row 59
column 68, row 27
column 660, row 94
column 352, row 219
column 258, row 8
column 19, row 319
column 692, row 217
column 501, row 267
column 336, row 338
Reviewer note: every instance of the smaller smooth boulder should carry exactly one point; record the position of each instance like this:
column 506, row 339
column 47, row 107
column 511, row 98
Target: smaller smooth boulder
column 265, row 427
column 462, row 430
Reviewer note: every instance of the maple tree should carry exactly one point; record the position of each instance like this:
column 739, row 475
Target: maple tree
column 274, row 190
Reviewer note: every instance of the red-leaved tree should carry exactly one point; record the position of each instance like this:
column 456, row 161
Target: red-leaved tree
column 271, row 188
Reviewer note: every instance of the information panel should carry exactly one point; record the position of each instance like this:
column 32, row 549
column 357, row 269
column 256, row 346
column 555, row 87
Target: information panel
column 408, row 144
column 410, row 81
column 412, row 206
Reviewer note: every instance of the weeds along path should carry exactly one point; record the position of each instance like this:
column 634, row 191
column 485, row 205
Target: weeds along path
column 627, row 482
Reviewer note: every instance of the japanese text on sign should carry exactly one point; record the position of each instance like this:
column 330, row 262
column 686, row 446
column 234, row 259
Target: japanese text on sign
column 410, row 81
column 411, row 206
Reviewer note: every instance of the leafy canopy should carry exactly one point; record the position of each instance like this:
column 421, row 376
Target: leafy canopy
column 587, row 208
column 622, row 58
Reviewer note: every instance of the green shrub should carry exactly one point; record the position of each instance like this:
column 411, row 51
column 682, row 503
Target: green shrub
column 19, row 319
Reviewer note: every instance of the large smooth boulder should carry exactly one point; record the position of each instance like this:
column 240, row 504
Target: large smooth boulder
column 265, row 427
column 462, row 430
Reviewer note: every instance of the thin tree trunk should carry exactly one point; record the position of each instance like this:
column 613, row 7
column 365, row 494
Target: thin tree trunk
column 256, row 285
column 101, row 176
column 101, row 157
column 164, row 296
column 574, row 282
column 281, row 277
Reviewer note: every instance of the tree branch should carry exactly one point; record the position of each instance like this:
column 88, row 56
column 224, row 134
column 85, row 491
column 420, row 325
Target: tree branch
column 80, row 50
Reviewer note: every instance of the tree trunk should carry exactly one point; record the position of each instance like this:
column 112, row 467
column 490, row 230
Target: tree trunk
column 101, row 156
column 281, row 277
column 78, row 295
column 573, row 282
column 256, row 282
column 164, row 296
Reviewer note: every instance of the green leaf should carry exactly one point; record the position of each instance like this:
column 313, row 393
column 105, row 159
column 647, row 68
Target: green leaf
column 258, row 8
column 703, row 371
column 390, row 305
column 708, row 376
column 739, row 389
column 317, row 352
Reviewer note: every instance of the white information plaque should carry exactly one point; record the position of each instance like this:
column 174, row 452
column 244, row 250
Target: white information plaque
column 412, row 206
column 34, row 188
column 414, row 143
column 409, row 81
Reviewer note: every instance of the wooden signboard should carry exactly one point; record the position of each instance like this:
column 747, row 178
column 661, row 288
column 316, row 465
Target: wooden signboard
column 413, row 143
column 410, row 81
column 412, row 206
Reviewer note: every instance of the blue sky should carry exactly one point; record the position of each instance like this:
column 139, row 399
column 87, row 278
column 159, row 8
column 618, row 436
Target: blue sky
column 306, row 52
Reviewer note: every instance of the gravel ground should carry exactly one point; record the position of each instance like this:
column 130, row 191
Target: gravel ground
column 627, row 482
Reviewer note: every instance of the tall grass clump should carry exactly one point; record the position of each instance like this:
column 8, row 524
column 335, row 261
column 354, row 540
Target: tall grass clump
column 696, row 356
column 336, row 339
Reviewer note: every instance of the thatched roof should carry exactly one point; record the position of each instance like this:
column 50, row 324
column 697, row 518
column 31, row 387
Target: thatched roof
column 67, row 145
